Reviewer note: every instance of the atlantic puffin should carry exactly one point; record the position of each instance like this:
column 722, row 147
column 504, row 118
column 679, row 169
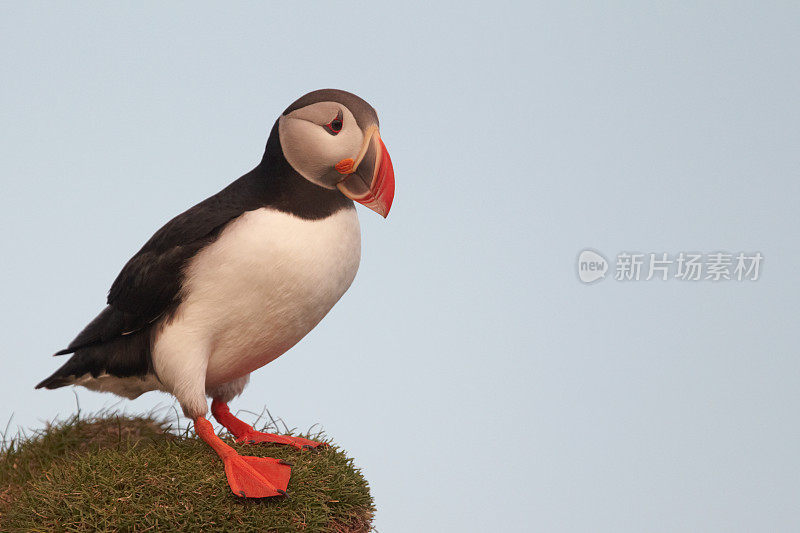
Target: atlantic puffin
column 235, row 281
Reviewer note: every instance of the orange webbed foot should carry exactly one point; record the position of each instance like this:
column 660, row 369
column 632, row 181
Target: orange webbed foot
column 253, row 437
column 245, row 433
column 257, row 477
column 249, row 477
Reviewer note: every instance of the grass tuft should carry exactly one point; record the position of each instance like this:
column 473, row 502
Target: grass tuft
column 114, row 472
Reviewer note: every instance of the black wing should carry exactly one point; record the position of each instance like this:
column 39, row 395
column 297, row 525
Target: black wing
column 149, row 284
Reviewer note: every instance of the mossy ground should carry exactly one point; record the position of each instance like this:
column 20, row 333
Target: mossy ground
column 112, row 472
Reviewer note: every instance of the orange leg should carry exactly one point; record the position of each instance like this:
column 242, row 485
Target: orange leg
column 245, row 433
column 250, row 477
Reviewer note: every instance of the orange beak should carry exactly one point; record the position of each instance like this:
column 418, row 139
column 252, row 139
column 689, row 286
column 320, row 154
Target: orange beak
column 369, row 180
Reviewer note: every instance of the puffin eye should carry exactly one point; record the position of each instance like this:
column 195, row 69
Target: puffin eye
column 335, row 126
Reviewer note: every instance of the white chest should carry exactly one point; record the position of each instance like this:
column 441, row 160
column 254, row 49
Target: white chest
column 266, row 281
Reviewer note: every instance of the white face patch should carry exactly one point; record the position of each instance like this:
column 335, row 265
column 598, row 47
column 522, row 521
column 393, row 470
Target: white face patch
column 310, row 149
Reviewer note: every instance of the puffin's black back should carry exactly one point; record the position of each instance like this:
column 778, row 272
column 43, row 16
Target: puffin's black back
column 117, row 341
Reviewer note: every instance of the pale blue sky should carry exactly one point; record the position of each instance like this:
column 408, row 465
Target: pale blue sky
column 489, row 390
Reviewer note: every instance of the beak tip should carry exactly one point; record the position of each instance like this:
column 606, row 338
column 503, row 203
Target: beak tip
column 377, row 193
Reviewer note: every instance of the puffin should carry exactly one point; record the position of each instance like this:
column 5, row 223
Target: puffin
column 234, row 282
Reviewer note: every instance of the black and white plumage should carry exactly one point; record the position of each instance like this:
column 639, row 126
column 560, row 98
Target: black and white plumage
column 235, row 281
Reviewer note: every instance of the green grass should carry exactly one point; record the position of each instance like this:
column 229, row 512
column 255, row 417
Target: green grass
column 111, row 472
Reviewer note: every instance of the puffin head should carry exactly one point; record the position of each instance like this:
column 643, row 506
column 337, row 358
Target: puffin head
column 332, row 139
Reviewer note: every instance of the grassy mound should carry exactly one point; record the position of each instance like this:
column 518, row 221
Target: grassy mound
column 122, row 473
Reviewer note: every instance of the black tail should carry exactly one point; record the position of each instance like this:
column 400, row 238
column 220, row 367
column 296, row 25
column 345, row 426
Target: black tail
column 124, row 356
column 61, row 377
